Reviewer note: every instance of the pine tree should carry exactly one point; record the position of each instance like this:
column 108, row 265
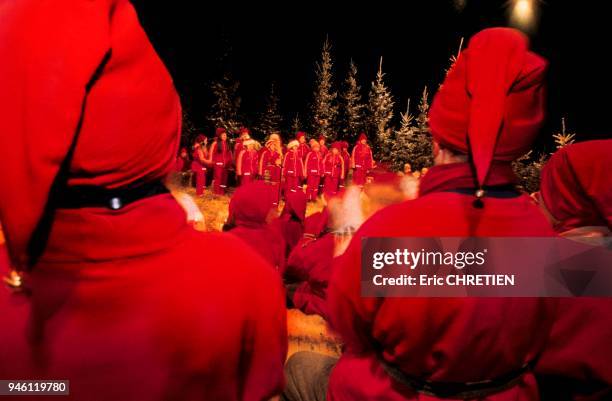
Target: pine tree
column 270, row 120
column 224, row 112
column 421, row 146
column 188, row 130
column 402, row 149
column 563, row 138
column 352, row 107
column 380, row 108
column 296, row 124
column 324, row 107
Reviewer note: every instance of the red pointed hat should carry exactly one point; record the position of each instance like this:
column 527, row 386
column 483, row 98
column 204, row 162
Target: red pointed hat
column 362, row 136
column 576, row 185
column 491, row 104
column 300, row 134
column 220, row 131
column 321, row 138
column 337, row 145
column 251, row 204
column 103, row 128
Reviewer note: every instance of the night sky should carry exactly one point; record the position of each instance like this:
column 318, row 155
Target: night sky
column 282, row 43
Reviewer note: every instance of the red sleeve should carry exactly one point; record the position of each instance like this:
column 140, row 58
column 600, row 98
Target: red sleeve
column 350, row 314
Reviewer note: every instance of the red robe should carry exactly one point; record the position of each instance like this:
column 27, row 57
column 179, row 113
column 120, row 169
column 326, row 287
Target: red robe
column 221, row 161
column 270, row 165
column 362, row 162
column 303, row 150
column 247, row 166
column 314, row 171
column 199, row 169
column 310, row 263
column 334, row 173
column 293, row 171
column 461, row 340
column 290, row 224
column 576, row 189
column 346, row 157
column 248, row 212
column 119, row 302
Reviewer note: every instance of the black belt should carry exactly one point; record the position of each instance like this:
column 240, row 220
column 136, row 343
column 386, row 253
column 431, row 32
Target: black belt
column 81, row 196
column 495, row 191
column 458, row 390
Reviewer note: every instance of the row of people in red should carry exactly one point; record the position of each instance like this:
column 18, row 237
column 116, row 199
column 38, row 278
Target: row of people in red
column 322, row 170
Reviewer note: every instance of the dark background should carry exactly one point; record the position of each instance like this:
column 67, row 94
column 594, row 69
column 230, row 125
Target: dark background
column 281, row 43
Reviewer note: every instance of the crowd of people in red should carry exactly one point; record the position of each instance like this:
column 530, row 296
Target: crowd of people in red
column 121, row 296
column 289, row 167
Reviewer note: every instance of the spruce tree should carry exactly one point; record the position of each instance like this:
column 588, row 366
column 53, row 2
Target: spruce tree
column 296, row 124
column 352, row 108
column 421, row 146
column 402, row 148
column 270, row 120
column 324, row 107
column 380, row 108
column 224, row 112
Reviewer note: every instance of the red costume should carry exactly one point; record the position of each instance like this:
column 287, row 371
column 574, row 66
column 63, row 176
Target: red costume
column 346, row 158
column 221, row 157
column 119, row 300
column 361, row 161
column 198, row 166
column 293, row 171
column 249, row 211
column 576, row 190
column 303, row 148
column 182, row 161
column 314, row 171
column 270, row 161
column 291, row 221
column 244, row 134
column 334, row 171
column 247, row 165
column 310, row 262
column 442, row 340
column 324, row 149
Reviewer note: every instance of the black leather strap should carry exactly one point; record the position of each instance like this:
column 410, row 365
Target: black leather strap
column 91, row 196
column 458, row 390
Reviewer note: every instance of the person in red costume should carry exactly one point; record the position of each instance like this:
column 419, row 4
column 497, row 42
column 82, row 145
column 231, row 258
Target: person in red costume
column 243, row 135
column 221, row 160
column 333, row 165
column 247, row 162
column 314, row 171
column 361, row 160
column 291, row 221
column 293, row 168
column 486, row 114
column 576, row 195
column 182, row 161
column 198, row 163
column 250, row 217
column 116, row 297
column 346, row 158
column 322, row 145
column 270, row 162
column 310, row 264
column 303, row 147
